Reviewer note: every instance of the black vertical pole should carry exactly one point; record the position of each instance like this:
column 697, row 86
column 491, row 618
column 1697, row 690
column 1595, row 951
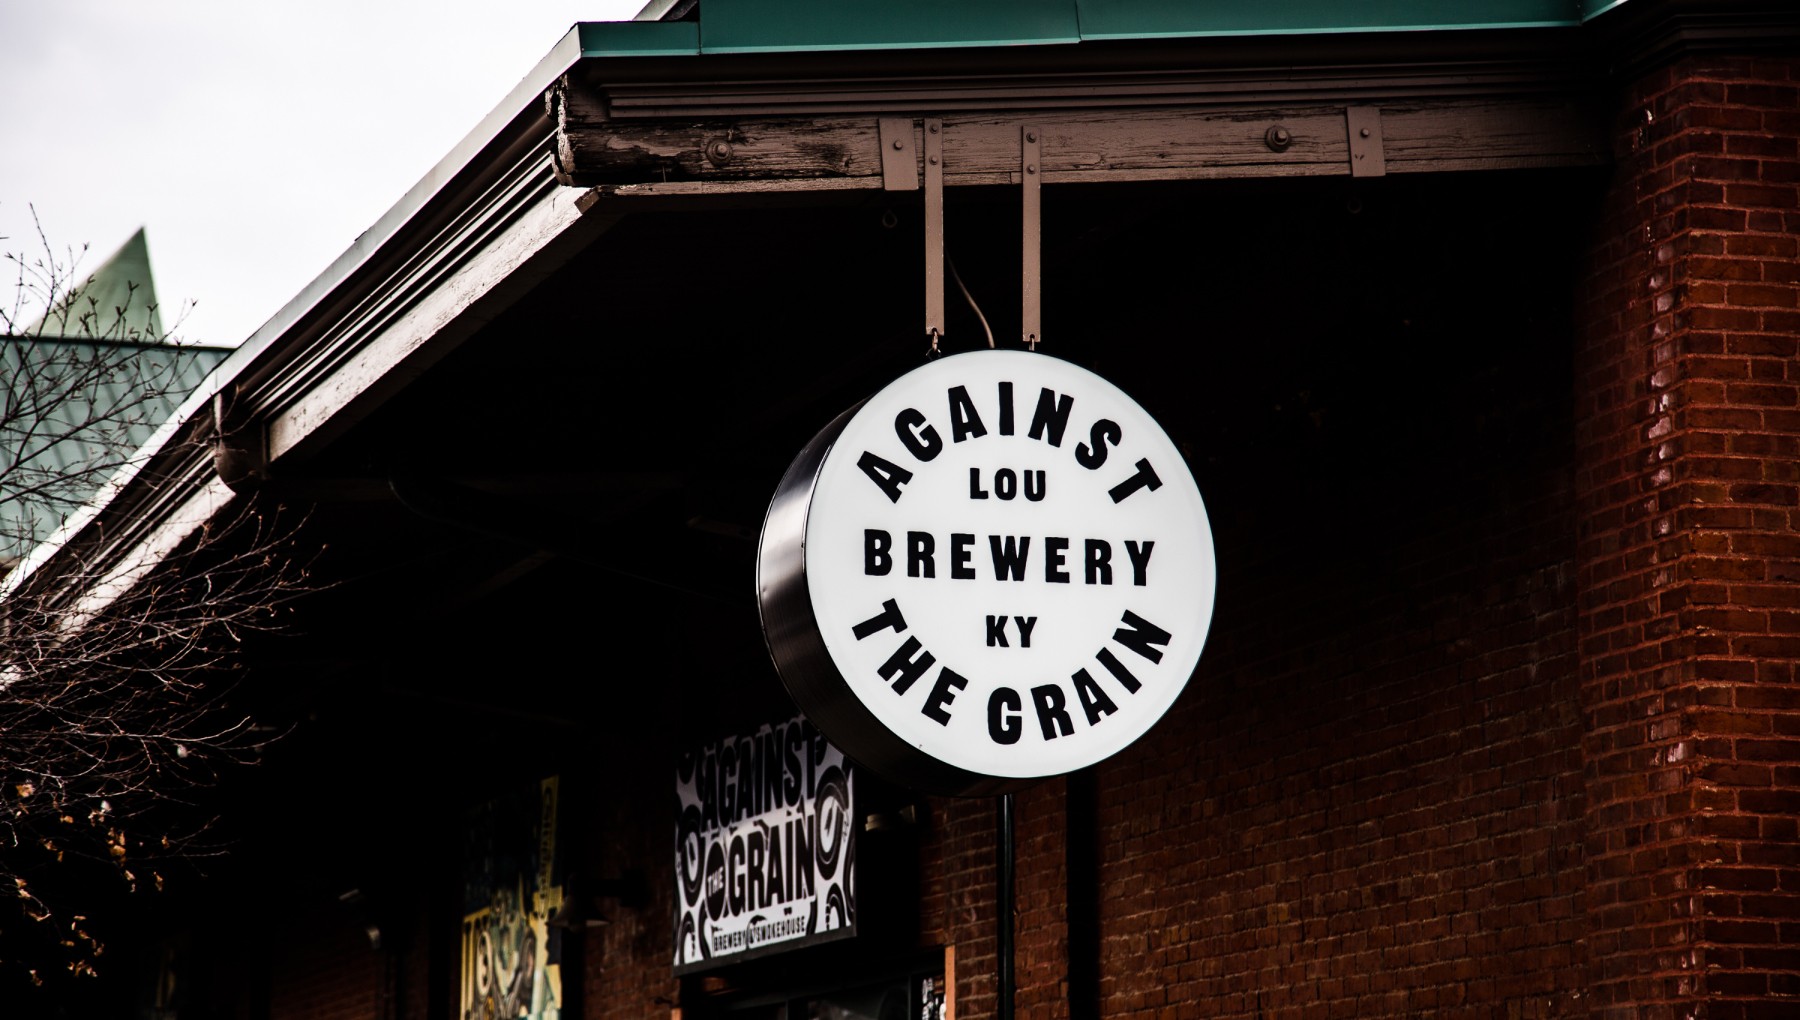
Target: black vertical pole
column 1003, row 923
column 1082, row 889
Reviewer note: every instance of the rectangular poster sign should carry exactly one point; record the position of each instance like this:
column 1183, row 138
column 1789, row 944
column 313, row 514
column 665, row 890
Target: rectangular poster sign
column 765, row 851
column 512, row 884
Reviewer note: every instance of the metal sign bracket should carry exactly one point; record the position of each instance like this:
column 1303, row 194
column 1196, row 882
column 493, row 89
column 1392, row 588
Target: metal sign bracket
column 899, row 155
column 901, row 171
column 1030, row 172
column 1367, row 158
column 934, row 230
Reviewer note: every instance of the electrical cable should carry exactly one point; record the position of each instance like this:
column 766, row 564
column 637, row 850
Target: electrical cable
column 970, row 298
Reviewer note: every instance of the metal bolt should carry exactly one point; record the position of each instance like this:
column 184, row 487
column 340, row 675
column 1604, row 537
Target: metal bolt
column 1031, row 136
column 1031, row 168
column 1365, row 132
column 898, row 144
column 934, row 161
column 1278, row 138
column 718, row 152
column 933, row 129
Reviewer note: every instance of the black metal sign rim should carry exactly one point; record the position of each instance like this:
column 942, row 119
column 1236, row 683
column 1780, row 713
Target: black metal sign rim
column 800, row 656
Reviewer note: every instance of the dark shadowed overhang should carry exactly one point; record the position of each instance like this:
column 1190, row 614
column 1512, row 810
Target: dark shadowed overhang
column 781, row 102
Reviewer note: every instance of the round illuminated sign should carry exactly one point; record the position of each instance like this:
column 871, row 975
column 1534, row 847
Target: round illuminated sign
column 996, row 569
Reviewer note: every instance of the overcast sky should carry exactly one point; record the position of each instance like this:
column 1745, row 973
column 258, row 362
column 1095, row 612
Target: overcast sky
column 255, row 139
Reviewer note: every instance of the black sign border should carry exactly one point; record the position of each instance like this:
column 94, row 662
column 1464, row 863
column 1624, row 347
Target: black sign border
column 798, row 647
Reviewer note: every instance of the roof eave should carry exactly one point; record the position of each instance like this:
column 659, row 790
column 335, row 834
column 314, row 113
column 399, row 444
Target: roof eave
column 168, row 455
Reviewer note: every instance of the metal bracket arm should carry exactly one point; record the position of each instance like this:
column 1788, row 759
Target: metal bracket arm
column 1030, row 153
column 934, row 230
column 1367, row 157
column 899, row 157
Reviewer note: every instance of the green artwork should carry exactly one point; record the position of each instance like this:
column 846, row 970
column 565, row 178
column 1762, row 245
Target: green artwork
column 511, row 956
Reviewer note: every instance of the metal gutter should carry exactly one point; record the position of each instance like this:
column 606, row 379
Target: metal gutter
column 655, row 10
column 1591, row 9
column 526, row 95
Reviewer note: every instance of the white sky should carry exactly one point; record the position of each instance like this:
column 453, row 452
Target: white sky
column 255, row 139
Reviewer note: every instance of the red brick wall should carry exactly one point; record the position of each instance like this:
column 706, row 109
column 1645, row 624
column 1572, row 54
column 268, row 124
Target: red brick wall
column 325, row 970
column 1372, row 804
column 1370, row 801
column 1689, row 427
column 626, row 971
column 957, row 905
column 412, row 976
column 1041, row 891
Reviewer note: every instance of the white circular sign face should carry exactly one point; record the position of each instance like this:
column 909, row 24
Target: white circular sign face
column 1008, row 563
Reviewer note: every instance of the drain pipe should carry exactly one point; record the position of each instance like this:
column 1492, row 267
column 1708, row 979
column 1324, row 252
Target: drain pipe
column 1003, row 921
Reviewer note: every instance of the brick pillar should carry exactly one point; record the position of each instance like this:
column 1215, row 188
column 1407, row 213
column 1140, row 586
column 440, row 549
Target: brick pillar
column 1689, row 479
column 956, row 905
column 1041, row 898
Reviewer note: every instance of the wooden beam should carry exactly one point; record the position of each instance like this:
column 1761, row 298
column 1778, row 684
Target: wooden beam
column 1149, row 143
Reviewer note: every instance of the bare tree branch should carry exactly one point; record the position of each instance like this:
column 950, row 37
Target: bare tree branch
column 112, row 723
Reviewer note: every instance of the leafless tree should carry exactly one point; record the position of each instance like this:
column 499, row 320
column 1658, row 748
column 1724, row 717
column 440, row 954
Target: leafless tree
column 84, row 387
column 113, row 682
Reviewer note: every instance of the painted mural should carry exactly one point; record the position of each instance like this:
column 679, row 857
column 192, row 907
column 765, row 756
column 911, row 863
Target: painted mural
column 511, row 955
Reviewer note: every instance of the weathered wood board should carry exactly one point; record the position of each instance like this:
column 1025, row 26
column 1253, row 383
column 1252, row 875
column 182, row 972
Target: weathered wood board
column 1145, row 143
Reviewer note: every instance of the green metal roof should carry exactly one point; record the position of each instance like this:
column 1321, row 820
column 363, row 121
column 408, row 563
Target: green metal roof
column 117, row 302
column 1134, row 19
column 748, row 26
column 639, row 38
column 85, row 387
column 78, row 411
column 759, row 26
